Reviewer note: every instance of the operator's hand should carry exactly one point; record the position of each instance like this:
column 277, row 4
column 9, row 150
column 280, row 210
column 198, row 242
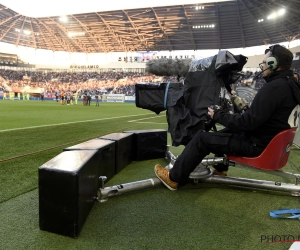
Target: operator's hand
column 211, row 113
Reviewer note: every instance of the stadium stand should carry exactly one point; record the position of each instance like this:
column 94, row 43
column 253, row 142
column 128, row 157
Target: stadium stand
column 111, row 82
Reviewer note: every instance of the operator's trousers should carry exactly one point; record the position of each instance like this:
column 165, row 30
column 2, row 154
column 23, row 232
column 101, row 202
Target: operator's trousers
column 204, row 143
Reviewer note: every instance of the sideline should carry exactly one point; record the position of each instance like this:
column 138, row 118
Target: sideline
column 66, row 123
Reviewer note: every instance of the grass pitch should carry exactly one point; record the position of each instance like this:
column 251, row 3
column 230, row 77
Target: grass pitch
column 202, row 216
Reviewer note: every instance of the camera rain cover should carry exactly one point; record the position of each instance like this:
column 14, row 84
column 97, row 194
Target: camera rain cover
column 229, row 63
column 187, row 103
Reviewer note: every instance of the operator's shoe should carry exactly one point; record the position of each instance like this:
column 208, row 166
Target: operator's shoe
column 221, row 173
column 163, row 174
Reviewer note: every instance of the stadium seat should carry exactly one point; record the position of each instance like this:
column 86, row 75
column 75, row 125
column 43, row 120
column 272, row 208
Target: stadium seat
column 275, row 155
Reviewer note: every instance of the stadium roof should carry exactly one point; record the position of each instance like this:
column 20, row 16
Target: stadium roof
column 214, row 25
column 38, row 8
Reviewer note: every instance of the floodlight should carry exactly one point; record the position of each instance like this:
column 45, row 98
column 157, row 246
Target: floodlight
column 273, row 15
column 63, row 19
column 71, row 34
column 27, row 32
column 281, row 12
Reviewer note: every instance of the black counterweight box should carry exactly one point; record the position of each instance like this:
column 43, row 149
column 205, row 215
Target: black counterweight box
column 106, row 152
column 68, row 185
column 124, row 149
column 149, row 144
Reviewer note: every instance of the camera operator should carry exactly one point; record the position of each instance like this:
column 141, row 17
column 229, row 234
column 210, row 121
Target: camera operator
column 249, row 133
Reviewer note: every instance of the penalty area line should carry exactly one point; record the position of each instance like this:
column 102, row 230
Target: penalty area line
column 67, row 123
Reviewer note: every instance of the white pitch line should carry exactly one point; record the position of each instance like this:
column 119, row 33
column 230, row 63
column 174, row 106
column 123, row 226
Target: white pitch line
column 153, row 123
column 66, row 123
column 144, row 119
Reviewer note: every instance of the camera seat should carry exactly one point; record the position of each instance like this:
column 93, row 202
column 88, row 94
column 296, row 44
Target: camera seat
column 270, row 161
column 275, row 155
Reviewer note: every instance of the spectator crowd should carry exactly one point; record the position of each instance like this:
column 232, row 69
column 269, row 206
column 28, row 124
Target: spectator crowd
column 104, row 82
column 108, row 82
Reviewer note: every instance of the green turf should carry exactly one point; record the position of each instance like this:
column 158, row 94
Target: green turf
column 197, row 216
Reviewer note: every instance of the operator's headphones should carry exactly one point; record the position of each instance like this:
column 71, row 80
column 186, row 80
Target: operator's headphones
column 272, row 61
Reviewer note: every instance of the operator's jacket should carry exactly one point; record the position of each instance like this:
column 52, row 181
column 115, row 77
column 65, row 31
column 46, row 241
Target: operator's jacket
column 274, row 109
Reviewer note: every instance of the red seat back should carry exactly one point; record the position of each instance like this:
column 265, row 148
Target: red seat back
column 275, row 155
